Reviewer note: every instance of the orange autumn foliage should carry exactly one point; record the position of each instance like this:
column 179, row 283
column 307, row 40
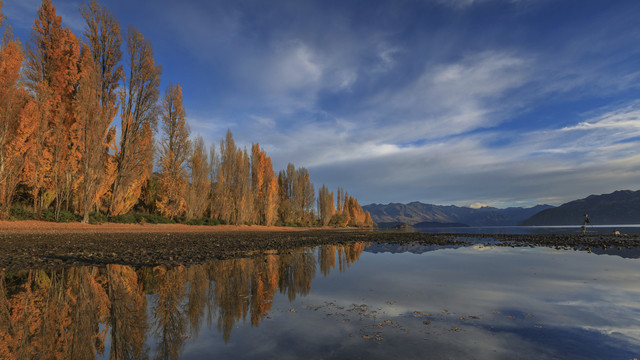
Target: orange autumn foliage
column 325, row 205
column 97, row 103
column 57, row 137
column 174, row 150
column 138, row 120
column 170, row 322
column 265, row 187
column 232, row 188
column 199, row 187
column 16, row 125
column 75, row 313
column 127, row 317
column 52, row 75
column 97, row 136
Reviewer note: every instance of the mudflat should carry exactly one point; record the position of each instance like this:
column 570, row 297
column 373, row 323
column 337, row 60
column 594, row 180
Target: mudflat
column 34, row 244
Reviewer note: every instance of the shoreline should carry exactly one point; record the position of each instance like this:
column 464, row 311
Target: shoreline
column 37, row 227
column 152, row 245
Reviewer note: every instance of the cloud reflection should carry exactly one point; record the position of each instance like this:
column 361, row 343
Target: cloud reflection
column 331, row 302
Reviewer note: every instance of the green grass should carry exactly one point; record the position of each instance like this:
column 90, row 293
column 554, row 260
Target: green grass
column 19, row 212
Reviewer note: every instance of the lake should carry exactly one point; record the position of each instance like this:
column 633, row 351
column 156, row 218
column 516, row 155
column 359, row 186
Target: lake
column 357, row 301
column 565, row 229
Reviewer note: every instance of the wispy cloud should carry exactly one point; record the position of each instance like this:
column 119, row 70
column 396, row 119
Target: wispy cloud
column 21, row 14
column 544, row 166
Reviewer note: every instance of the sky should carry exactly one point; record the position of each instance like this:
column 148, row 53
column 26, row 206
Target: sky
column 465, row 102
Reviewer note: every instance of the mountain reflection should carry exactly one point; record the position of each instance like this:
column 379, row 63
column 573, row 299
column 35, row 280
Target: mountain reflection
column 95, row 312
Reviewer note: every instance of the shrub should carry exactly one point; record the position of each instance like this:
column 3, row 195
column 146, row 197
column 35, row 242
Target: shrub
column 123, row 219
column 97, row 218
column 65, row 216
column 203, row 221
column 17, row 212
column 153, row 219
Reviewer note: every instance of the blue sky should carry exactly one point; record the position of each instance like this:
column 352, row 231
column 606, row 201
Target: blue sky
column 497, row 102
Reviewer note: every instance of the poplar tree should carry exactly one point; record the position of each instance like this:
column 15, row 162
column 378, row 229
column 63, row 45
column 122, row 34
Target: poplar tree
column 174, row 150
column 138, row 115
column 199, row 184
column 17, row 118
column 325, row 205
column 51, row 74
column 264, row 186
column 97, row 103
column 230, row 185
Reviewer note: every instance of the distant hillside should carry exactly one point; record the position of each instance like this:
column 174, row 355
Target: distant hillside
column 417, row 212
column 424, row 224
column 620, row 207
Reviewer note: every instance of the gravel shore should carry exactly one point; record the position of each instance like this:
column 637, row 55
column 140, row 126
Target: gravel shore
column 23, row 250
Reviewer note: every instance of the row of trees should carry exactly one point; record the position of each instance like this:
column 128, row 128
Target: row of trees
column 80, row 312
column 59, row 99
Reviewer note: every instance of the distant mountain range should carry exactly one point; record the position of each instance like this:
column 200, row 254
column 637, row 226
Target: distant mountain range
column 424, row 224
column 619, row 207
column 417, row 212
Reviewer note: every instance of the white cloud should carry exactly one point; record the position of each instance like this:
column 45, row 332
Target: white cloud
column 264, row 121
column 551, row 166
column 404, row 113
column 449, row 99
column 22, row 13
column 478, row 205
column 626, row 119
column 294, row 67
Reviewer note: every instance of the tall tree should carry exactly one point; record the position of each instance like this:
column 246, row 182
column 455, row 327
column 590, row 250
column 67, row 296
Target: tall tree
column 17, row 118
column 138, row 121
column 305, row 197
column 297, row 196
column 97, row 136
column 214, row 195
column 214, row 188
column 286, row 211
column 199, row 185
column 104, row 39
column 51, row 73
column 67, row 137
column 97, row 102
column 243, row 198
column 264, row 186
column 174, row 150
column 325, row 205
column 233, row 190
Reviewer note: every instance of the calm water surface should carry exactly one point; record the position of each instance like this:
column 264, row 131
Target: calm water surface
column 565, row 229
column 360, row 301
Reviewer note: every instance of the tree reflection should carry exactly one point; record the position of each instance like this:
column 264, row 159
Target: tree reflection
column 127, row 313
column 169, row 316
column 68, row 313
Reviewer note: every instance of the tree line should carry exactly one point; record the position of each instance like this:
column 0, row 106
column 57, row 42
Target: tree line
column 60, row 96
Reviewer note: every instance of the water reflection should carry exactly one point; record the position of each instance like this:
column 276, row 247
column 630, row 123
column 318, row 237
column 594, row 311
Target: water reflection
column 100, row 312
column 396, row 301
